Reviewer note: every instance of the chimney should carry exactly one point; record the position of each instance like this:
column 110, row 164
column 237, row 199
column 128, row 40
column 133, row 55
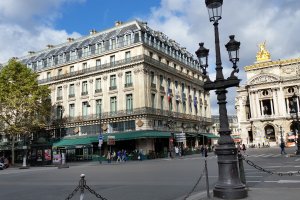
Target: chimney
column 93, row 31
column 118, row 23
column 49, row 46
column 70, row 39
column 31, row 52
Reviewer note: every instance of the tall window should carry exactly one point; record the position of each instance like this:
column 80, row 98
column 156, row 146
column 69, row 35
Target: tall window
column 161, row 80
column 127, row 55
column 98, row 62
column 113, row 105
column 59, row 92
column 113, row 82
column 85, row 106
column 129, row 103
column 128, row 79
column 71, row 90
column 73, row 55
column 59, row 112
column 85, row 51
column 48, row 75
column 84, row 66
column 98, row 107
column 113, row 43
column 59, row 72
column 98, row 85
column 162, row 102
column 127, row 39
column 84, row 88
column 153, row 100
column 169, row 83
column 72, row 110
column 71, row 69
column 112, row 60
column 177, row 106
column 184, row 107
column 152, row 77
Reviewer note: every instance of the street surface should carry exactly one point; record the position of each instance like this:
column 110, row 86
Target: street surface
column 161, row 179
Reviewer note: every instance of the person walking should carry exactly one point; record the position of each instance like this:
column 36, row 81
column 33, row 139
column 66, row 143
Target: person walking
column 205, row 151
column 244, row 148
column 176, row 151
column 282, row 146
column 119, row 156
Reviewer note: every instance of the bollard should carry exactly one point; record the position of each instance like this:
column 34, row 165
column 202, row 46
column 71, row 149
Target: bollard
column 207, row 183
column 81, row 186
column 241, row 167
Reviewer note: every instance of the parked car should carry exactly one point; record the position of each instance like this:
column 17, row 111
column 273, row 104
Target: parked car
column 2, row 166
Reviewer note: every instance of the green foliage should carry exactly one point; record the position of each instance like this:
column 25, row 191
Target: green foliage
column 25, row 106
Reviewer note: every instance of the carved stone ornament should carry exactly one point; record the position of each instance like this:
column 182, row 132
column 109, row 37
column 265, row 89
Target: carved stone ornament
column 104, row 127
column 140, row 123
column 77, row 83
column 66, row 86
column 52, row 88
column 105, row 77
column 120, row 74
column 136, row 71
column 265, row 78
column 91, row 80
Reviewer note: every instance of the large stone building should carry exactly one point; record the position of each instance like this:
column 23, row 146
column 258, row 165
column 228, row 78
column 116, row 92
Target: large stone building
column 263, row 104
column 134, row 81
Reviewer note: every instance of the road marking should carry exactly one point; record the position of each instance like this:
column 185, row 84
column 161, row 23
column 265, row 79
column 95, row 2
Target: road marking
column 253, row 181
column 298, row 159
column 289, row 181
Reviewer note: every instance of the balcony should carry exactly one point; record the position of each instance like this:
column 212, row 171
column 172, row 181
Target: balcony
column 59, row 98
column 153, row 85
column 98, row 90
column 128, row 85
column 84, row 93
column 162, row 88
column 113, row 87
column 71, row 95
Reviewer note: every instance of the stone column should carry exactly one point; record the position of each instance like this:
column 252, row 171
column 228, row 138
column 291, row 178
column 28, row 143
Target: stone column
column 275, row 96
column 258, row 108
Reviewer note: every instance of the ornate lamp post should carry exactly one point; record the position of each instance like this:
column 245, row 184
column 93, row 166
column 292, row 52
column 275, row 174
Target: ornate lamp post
column 229, row 185
column 294, row 111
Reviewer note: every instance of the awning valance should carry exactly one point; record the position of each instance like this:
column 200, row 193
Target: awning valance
column 209, row 135
column 120, row 136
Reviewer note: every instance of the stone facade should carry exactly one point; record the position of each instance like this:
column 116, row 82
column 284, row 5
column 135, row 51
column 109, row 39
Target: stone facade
column 263, row 104
column 129, row 77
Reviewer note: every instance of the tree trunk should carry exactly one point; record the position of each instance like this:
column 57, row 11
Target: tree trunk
column 13, row 150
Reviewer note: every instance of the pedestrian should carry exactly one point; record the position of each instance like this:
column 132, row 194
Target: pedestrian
column 205, row 151
column 258, row 145
column 124, row 156
column 244, row 148
column 176, row 151
column 108, row 157
column 202, row 150
column 282, row 146
column 119, row 156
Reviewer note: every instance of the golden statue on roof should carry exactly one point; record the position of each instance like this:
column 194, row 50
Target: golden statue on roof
column 262, row 54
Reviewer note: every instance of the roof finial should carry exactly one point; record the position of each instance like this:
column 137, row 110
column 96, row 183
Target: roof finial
column 263, row 54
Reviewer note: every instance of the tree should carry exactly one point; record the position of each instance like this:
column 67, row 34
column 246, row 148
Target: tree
column 24, row 104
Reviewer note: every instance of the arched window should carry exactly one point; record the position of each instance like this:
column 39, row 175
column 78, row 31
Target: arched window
column 270, row 133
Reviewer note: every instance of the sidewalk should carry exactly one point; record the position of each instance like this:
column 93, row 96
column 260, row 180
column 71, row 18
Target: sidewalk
column 258, row 194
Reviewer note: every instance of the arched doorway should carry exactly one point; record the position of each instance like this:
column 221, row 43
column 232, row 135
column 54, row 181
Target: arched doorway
column 270, row 133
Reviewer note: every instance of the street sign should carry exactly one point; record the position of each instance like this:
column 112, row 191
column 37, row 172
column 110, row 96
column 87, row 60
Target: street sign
column 100, row 138
column 111, row 140
column 180, row 137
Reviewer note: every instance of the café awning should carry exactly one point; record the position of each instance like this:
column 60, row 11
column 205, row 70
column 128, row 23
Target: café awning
column 209, row 135
column 73, row 141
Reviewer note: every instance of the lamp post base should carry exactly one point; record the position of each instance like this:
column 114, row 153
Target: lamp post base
column 229, row 185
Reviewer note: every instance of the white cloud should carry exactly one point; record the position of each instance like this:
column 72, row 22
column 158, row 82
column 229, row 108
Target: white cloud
column 27, row 25
column 252, row 22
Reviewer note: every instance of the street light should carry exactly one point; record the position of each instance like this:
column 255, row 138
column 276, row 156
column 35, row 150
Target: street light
column 294, row 110
column 229, row 185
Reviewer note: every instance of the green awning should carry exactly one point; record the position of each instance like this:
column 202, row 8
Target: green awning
column 73, row 141
column 209, row 135
column 132, row 135
column 120, row 136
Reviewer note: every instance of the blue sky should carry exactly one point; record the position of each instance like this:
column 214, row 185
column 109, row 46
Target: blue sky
column 30, row 25
column 101, row 14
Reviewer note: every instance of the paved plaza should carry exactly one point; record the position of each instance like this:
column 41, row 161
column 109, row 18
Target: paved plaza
column 161, row 179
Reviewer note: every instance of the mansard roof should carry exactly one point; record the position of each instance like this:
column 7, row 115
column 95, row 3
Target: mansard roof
column 117, row 31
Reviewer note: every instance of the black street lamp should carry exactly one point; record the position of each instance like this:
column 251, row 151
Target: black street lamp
column 294, row 111
column 229, row 185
